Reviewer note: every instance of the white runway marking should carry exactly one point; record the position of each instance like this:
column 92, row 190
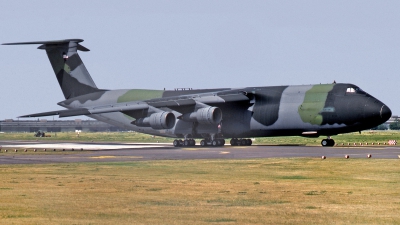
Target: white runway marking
column 84, row 146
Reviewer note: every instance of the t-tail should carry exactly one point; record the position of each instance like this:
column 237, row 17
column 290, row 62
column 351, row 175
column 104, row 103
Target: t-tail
column 71, row 73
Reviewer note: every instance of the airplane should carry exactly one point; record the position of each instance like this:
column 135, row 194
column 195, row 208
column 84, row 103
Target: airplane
column 212, row 115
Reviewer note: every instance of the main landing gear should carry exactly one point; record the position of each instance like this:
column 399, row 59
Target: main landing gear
column 187, row 142
column 214, row 143
column 327, row 142
column 241, row 142
column 203, row 143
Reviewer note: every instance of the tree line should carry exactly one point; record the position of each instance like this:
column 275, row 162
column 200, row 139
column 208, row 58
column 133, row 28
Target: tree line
column 393, row 126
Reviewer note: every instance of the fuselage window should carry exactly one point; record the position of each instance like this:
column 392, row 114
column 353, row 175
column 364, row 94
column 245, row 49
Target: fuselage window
column 350, row 90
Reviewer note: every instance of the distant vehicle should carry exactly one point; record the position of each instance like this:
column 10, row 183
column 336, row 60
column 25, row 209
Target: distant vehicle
column 212, row 114
column 39, row 133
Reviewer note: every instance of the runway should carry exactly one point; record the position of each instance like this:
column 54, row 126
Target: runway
column 122, row 152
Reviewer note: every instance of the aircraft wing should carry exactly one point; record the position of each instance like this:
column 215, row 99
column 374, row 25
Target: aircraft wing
column 91, row 110
column 178, row 103
column 192, row 107
column 206, row 98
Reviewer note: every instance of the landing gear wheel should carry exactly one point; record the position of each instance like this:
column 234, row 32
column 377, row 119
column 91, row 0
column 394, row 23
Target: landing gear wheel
column 186, row 143
column 243, row 142
column 248, row 142
column 203, row 143
column 176, row 143
column 327, row 142
column 192, row 142
column 233, row 142
column 214, row 143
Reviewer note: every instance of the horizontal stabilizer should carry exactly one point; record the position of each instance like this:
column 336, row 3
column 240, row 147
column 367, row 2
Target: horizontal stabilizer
column 49, row 43
column 90, row 111
column 44, row 42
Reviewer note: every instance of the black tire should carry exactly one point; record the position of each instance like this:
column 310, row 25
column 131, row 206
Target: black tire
column 176, row 143
column 203, row 143
column 243, row 142
column 214, row 143
column 186, row 143
column 249, row 142
column 328, row 142
column 192, row 142
column 233, row 142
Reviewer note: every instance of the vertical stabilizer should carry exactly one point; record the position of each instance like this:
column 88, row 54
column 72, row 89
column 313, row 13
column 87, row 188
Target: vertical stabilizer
column 71, row 73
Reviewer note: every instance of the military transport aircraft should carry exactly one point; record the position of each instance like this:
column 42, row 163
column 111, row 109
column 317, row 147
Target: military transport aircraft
column 212, row 114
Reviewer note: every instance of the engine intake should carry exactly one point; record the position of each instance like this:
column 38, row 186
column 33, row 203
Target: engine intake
column 207, row 115
column 157, row 121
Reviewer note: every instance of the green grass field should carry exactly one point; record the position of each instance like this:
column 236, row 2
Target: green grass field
column 365, row 136
column 260, row 191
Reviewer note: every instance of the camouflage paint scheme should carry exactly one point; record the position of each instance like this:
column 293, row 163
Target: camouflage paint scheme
column 304, row 110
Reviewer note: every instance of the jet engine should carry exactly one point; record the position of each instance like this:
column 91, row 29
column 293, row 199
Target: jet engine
column 206, row 115
column 157, row 121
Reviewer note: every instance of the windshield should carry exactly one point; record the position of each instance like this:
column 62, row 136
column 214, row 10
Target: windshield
column 351, row 90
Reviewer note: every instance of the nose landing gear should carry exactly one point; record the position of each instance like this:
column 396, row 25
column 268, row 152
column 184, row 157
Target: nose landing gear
column 327, row 142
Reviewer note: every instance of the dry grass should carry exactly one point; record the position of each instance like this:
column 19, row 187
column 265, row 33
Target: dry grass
column 261, row 191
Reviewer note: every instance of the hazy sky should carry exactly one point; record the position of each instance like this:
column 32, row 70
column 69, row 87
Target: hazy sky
column 201, row 44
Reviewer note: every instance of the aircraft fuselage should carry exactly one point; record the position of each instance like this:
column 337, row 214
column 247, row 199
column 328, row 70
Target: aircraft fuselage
column 303, row 110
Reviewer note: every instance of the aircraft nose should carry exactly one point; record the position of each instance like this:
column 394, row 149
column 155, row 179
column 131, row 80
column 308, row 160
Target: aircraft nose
column 375, row 112
column 385, row 113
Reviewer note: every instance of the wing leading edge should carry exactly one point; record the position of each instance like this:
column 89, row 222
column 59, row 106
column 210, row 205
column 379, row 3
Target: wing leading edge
column 135, row 106
column 90, row 111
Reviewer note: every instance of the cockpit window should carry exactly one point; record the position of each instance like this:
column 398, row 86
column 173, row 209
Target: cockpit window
column 357, row 90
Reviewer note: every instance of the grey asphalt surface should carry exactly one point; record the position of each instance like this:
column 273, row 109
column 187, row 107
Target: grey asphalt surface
column 123, row 152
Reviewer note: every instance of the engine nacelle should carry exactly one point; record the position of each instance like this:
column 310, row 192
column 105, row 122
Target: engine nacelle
column 157, row 121
column 207, row 115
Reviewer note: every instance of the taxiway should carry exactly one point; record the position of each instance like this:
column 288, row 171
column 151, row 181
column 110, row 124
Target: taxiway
column 120, row 152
